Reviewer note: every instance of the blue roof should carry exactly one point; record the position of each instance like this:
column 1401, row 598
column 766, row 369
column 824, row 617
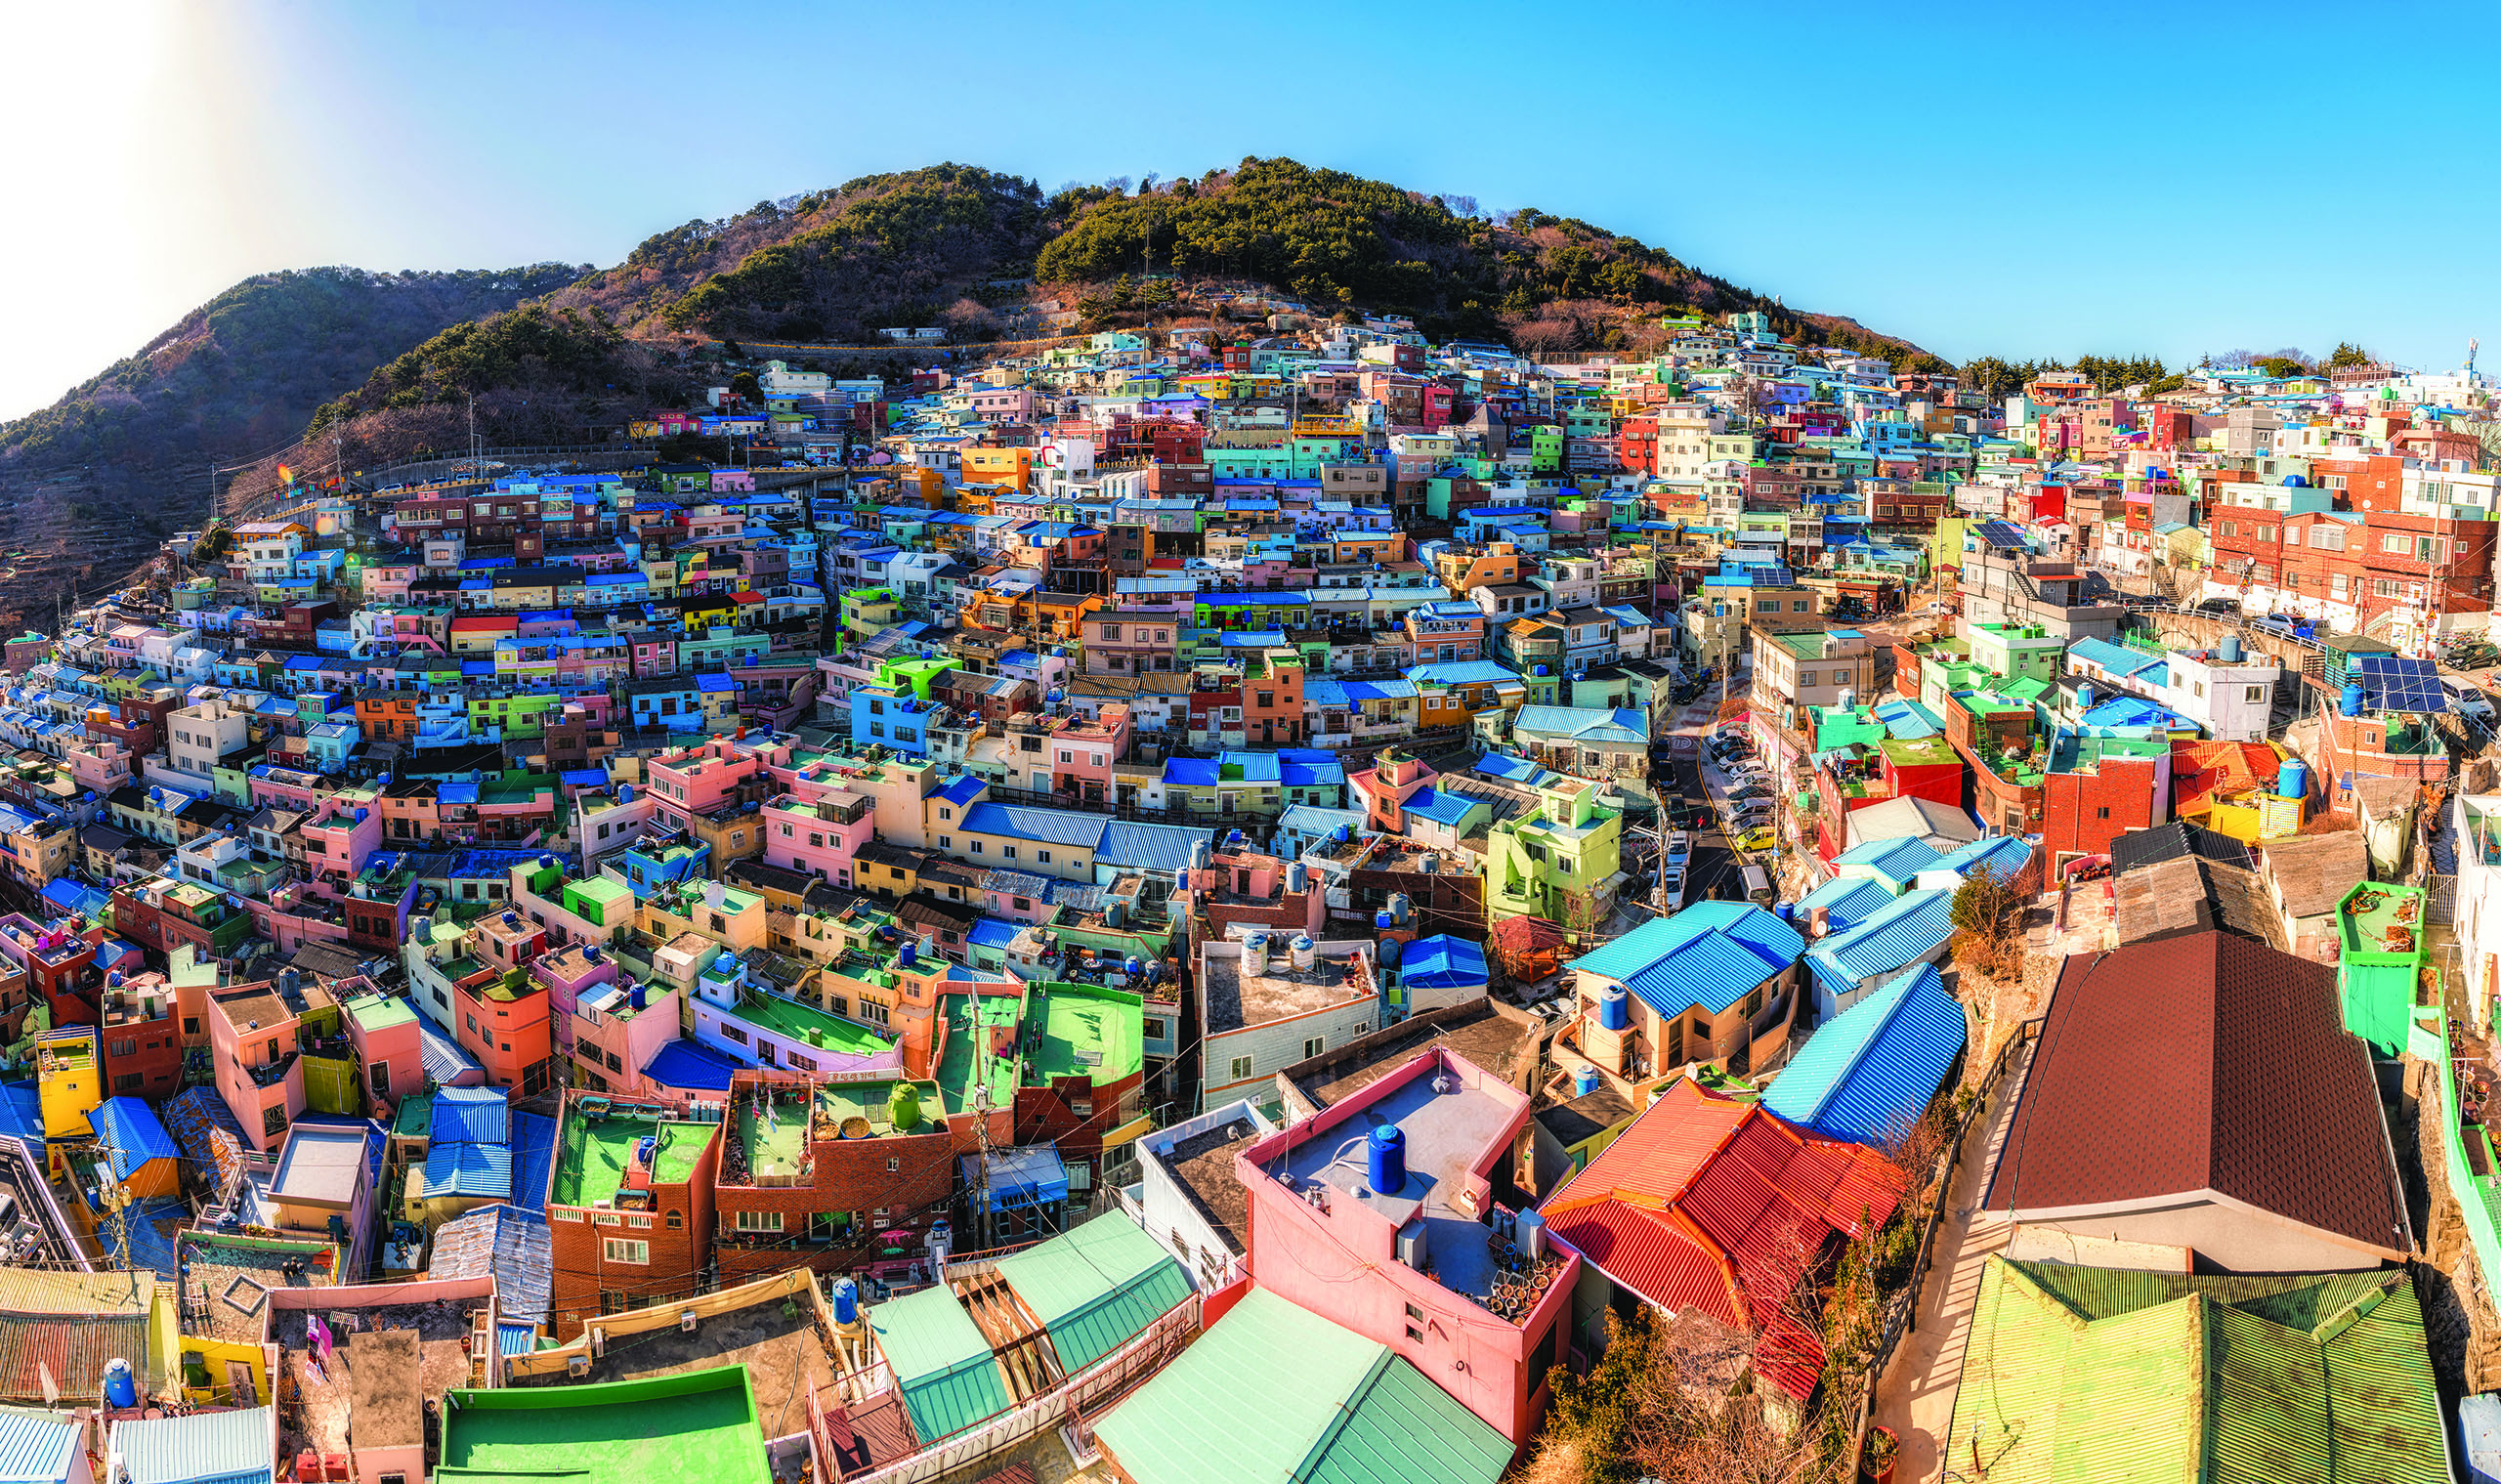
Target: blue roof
column 2114, row 658
column 1908, row 720
column 469, row 1169
column 1464, row 672
column 1254, row 767
column 1896, row 860
column 695, row 1069
column 442, row 1057
column 992, row 932
column 1295, row 773
column 1869, row 1075
column 2005, row 854
column 534, row 1155
column 1442, row 808
column 1900, row 933
column 35, row 1447
column 1149, row 847
column 2133, row 711
column 201, row 1447
column 1191, row 772
column 1711, row 954
column 470, row 1115
column 1442, row 962
column 1845, row 900
column 132, row 1135
column 1048, row 827
column 962, row 791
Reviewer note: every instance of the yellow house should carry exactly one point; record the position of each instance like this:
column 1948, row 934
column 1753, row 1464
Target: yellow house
column 71, row 1081
column 1008, row 467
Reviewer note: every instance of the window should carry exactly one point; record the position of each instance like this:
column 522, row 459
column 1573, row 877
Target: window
column 1155, row 1027
column 2396, row 541
column 2255, row 694
column 626, row 1250
column 759, row 1220
column 977, row 850
column 273, row 1121
column 733, row 1033
column 1313, row 1045
column 2102, row 813
column 1042, row 857
column 1241, row 1069
column 641, row 1222
column 676, row 1219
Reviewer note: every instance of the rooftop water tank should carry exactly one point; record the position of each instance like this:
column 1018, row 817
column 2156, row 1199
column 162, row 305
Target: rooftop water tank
column 1385, row 1159
column 902, row 1107
column 1254, row 956
column 2228, row 651
column 1390, row 949
column 905, row 959
column 2292, row 779
column 846, row 1302
column 1399, row 907
column 1297, row 877
column 1614, row 1012
column 1586, row 1081
column 2352, row 697
column 1305, row 953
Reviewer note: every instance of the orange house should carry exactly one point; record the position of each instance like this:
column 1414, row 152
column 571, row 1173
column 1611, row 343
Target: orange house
column 1001, row 468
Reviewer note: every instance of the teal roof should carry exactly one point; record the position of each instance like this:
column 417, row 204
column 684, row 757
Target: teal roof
column 1870, row 1074
column 1331, row 1408
column 949, row 1379
column 1096, row 1288
column 1708, row 954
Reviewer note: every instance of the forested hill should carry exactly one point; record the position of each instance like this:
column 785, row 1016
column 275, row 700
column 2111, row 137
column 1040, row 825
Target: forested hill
column 245, row 370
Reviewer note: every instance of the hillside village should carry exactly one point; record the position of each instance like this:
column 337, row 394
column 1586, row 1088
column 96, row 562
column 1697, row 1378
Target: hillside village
column 1319, row 905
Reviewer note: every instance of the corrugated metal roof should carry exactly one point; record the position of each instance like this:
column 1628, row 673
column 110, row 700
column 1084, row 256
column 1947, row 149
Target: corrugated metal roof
column 204, row 1448
column 131, row 1135
column 534, row 1155
column 1901, row 932
column 471, row 1115
column 469, row 1169
column 1096, row 1288
column 2090, row 1373
column 1871, row 1073
column 1330, row 1407
column 37, row 1449
column 949, row 1379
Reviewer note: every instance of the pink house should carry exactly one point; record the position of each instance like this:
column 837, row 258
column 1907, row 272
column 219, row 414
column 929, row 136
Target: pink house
column 1084, row 751
column 701, row 780
column 1382, row 791
column 733, row 481
column 102, row 766
column 296, row 915
column 253, row 1041
column 569, row 974
column 614, row 1037
column 285, row 788
column 819, row 836
column 342, row 833
column 384, row 1031
column 1381, row 1213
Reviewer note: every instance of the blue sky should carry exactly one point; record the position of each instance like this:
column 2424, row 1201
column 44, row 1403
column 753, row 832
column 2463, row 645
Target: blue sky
column 1989, row 179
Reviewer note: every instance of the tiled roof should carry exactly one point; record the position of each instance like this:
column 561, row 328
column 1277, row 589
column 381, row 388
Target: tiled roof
column 2195, row 1063
column 1711, row 1202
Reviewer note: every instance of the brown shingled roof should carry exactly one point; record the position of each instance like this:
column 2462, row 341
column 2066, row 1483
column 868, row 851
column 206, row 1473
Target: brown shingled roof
column 2195, row 1063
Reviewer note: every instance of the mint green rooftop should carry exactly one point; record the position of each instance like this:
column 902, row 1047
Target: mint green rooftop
column 2381, row 918
column 806, row 1023
column 969, row 1020
column 694, row 1425
column 594, row 1155
column 1088, row 1031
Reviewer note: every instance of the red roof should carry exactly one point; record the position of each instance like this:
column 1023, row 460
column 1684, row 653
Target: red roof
column 745, row 596
column 2201, row 769
column 1711, row 1204
column 2196, row 1063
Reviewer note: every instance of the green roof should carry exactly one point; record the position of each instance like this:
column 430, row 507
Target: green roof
column 2086, row 1374
column 1088, row 1031
column 379, row 1012
column 1096, row 1288
column 965, row 1014
column 594, row 1154
column 694, row 1425
column 949, row 1378
column 790, row 1019
column 1332, row 1408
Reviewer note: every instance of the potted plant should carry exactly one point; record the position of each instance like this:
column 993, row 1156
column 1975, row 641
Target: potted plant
column 1877, row 1456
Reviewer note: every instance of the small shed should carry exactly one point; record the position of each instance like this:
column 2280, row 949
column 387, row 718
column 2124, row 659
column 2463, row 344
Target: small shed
column 141, row 1157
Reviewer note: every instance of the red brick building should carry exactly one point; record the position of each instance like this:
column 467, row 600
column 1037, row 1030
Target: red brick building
column 2100, row 798
column 629, row 1210
column 869, row 1183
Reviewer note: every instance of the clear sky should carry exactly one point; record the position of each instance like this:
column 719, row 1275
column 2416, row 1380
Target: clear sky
column 1984, row 179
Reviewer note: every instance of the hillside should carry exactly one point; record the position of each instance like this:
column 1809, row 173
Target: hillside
column 245, row 370
column 828, row 267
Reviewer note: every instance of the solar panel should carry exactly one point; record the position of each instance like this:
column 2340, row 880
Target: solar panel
column 2399, row 683
column 2002, row 536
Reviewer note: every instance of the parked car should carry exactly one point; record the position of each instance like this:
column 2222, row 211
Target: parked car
column 2218, row 606
column 1671, row 888
column 1750, row 792
column 1679, row 849
column 1753, row 839
column 2468, row 702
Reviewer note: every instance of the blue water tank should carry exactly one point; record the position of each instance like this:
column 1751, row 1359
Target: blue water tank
column 1341, row 834
column 2296, row 482
column 1615, row 1011
column 1382, row 921
column 1181, row 879
column 1785, row 909
column 1390, row 949
column 2084, row 697
column 1585, row 1081
column 1541, row 672
column 636, row 997
column 2352, row 697
column 846, row 1301
column 2292, row 779
column 121, row 1388
column 625, row 793
column 911, row 952
column 646, row 1147
column 1385, row 1159
column 2229, row 651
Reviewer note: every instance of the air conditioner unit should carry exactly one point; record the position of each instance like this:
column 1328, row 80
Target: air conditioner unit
column 686, row 1321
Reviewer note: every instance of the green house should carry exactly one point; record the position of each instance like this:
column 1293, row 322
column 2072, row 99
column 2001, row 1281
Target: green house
column 2380, row 972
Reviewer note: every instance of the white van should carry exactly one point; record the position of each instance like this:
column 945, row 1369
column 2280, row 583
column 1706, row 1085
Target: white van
column 1758, row 886
column 2468, row 702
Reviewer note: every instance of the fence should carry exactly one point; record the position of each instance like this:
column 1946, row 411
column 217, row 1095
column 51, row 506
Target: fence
column 1064, row 1406
column 1903, row 1316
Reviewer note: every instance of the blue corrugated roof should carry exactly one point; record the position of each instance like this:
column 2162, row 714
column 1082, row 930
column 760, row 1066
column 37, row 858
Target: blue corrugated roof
column 1147, row 847
column 471, row 1115
column 534, row 1154
column 681, row 1063
column 1894, row 860
column 202, row 1448
column 35, row 1449
column 1847, row 901
column 1871, row 1073
column 469, row 1169
column 1048, row 827
column 441, row 1056
column 1710, row 954
column 1442, row 962
column 132, row 1136
column 1901, row 932
column 962, row 791
column 1190, row 772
